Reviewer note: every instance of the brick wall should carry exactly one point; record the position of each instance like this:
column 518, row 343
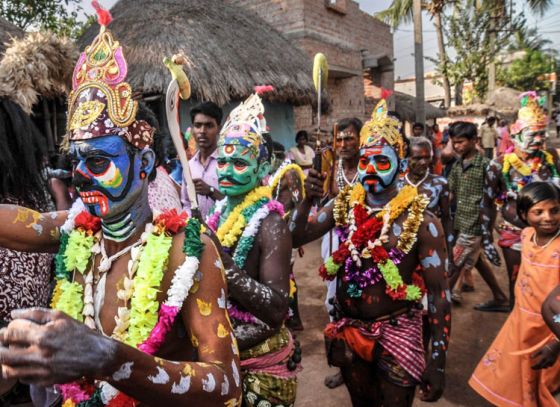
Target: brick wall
column 341, row 37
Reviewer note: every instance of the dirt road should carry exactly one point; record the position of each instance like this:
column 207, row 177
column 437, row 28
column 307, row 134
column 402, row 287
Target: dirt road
column 472, row 333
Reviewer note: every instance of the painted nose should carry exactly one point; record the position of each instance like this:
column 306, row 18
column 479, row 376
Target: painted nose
column 80, row 180
column 371, row 169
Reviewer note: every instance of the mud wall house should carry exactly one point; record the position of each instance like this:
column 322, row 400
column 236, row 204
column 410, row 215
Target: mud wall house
column 229, row 50
column 358, row 47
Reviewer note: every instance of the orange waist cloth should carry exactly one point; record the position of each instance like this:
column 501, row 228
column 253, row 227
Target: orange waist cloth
column 361, row 345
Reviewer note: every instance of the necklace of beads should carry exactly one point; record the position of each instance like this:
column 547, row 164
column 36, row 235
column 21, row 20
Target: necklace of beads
column 341, row 180
column 365, row 239
column 141, row 322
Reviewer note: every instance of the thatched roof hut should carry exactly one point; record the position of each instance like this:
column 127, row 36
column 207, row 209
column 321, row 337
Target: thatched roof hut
column 405, row 106
column 229, row 48
column 7, row 32
column 503, row 103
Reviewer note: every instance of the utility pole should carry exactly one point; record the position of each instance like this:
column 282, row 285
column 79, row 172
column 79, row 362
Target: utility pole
column 419, row 61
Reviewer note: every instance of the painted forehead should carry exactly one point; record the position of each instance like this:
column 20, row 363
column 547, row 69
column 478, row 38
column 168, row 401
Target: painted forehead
column 111, row 145
column 231, row 150
column 377, row 150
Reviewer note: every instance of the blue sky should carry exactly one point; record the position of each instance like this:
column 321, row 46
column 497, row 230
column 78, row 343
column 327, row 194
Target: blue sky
column 403, row 40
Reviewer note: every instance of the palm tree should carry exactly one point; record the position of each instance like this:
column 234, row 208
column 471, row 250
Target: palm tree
column 400, row 11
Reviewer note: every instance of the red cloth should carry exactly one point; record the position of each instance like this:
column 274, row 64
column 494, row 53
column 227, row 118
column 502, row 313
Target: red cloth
column 403, row 340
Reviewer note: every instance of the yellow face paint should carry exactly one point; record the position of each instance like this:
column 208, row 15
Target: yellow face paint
column 222, row 331
column 205, row 308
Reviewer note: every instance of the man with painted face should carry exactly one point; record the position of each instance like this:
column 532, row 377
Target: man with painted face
column 139, row 306
column 376, row 338
column 256, row 254
column 505, row 178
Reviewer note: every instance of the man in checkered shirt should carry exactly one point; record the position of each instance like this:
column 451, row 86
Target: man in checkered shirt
column 466, row 182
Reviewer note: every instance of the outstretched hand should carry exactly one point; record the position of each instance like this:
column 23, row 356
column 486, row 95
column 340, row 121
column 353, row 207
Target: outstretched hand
column 433, row 383
column 45, row 347
column 490, row 251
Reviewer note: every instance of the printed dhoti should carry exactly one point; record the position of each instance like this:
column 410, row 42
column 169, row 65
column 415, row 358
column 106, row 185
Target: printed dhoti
column 267, row 381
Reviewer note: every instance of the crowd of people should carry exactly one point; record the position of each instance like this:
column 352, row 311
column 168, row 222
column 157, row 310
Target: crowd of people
column 116, row 291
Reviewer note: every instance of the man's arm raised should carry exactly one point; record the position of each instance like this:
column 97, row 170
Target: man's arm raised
column 303, row 229
column 433, row 257
column 24, row 229
column 53, row 348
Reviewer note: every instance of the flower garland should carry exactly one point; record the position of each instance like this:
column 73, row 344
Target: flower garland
column 512, row 160
column 287, row 166
column 143, row 326
column 253, row 214
column 233, row 226
column 366, row 236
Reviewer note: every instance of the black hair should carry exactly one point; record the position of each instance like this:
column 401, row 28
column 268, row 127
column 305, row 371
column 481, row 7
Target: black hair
column 463, row 129
column 350, row 121
column 158, row 144
column 208, row 109
column 533, row 193
column 418, row 125
column 300, row 134
column 22, row 155
column 276, row 146
column 268, row 142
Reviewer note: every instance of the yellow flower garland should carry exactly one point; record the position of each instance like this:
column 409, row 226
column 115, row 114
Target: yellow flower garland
column 400, row 203
column 278, row 177
column 409, row 233
column 512, row 160
column 233, row 226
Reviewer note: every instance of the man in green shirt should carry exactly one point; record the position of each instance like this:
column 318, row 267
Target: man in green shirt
column 466, row 183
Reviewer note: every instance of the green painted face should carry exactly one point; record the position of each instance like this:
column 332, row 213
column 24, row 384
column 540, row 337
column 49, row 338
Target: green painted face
column 239, row 170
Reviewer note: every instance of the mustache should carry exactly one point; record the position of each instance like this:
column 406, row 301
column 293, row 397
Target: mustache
column 230, row 179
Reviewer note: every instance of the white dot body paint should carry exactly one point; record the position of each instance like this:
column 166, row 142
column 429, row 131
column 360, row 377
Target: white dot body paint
column 161, row 378
column 183, row 386
column 433, row 229
column 124, row 372
column 38, row 228
column 54, row 215
column 218, row 264
column 322, row 217
column 292, row 226
column 209, row 384
column 225, row 386
column 397, row 229
column 235, row 373
column 222, row 300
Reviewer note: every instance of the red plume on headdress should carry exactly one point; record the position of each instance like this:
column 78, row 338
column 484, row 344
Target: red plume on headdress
column 385, row 93
column 262, row 89
column 104, row 17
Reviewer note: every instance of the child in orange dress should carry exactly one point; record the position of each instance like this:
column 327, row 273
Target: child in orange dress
column 521, row 367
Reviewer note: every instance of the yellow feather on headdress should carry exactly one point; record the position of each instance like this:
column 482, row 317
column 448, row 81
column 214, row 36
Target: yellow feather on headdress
column 380, row 127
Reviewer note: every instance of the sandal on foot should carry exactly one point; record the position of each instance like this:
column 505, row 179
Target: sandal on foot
column 493, row 306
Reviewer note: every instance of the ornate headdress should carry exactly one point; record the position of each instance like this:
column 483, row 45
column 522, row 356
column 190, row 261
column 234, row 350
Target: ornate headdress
column 101, row 103
column 245, row 126
column 382, row 128
column 531, row 116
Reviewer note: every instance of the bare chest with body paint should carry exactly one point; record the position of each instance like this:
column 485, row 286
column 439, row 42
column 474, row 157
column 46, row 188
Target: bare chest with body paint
column 178, row 345
column 374, row 302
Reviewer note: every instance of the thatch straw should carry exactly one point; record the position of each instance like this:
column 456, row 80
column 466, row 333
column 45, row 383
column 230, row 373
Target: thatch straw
column 405, row 106
column 230, row 49
column 7, row 32
column 39, row 64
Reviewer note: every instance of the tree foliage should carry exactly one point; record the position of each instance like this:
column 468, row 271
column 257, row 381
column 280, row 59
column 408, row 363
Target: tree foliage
column 59, row 16
column 528, row 72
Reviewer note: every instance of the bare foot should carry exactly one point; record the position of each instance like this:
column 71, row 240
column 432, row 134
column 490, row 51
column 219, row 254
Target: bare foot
column 335, row 380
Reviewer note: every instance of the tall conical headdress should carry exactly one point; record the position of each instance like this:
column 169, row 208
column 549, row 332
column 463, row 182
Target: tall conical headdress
column 101, row 103
column 245, row 126
column 531, row 116
column 382, row 128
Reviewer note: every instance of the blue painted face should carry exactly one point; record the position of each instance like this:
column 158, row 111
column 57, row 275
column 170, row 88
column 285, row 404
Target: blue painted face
column 378, row 168
column 109, row 174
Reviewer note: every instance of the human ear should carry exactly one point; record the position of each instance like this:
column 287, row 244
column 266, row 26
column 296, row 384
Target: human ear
column 148, row 158
column 264, row 169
